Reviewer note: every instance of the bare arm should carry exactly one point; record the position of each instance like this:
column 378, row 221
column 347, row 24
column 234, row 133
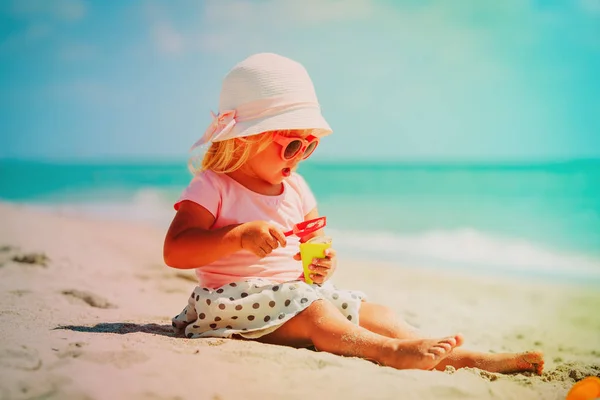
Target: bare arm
column 190, row 243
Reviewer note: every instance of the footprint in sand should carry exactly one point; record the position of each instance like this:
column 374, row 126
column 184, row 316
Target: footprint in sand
column 5, row 253
column 73, row 350
column 23, row 358
column 122, row 358
column 39, row 259
column 20, row 292
column 89, row 298
column 168, row 281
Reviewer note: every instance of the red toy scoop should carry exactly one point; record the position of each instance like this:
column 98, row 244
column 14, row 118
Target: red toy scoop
column 307, row 227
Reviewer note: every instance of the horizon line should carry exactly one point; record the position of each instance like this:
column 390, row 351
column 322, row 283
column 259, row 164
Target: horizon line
column 517, row 161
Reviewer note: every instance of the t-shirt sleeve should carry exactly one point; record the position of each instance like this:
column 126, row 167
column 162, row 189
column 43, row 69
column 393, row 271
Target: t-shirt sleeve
column 204, row 190
column 309, row 202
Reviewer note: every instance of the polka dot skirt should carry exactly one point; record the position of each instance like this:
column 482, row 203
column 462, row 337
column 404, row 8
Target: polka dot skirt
column 256, row 307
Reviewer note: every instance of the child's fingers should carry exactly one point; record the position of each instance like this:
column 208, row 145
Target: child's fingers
column 329, row 253
column 317, row 278
column 297, row 257
column 322, row 262
column 278, row 235
column 319, row 269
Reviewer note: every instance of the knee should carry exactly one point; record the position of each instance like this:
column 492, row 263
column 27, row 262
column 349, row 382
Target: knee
column 317, row 310
column 318, row 313
column 384, row 309
column 388, row 312
column 301, row 328
column 379, row 310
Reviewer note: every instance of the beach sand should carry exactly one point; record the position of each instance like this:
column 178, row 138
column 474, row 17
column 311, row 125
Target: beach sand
column 86, row 307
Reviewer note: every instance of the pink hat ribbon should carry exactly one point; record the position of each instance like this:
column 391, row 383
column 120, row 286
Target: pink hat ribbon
column 222, row 123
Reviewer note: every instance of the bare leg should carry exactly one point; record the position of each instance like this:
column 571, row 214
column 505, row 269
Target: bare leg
column 384, row 321
column 323, row 326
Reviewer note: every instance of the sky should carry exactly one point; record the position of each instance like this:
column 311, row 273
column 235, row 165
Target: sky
column 397, row 80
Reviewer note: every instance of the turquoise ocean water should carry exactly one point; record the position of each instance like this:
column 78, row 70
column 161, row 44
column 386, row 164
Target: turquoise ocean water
column 539, row 220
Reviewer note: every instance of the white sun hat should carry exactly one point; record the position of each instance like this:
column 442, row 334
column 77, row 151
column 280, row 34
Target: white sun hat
column 265, row 92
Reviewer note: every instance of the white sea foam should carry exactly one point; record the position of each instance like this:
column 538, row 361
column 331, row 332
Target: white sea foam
column 469, row 249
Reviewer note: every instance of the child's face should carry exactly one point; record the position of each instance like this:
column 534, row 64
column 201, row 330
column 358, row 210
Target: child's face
column 270, row 166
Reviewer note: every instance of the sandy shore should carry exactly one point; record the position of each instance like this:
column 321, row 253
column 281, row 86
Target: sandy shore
column 86, row 306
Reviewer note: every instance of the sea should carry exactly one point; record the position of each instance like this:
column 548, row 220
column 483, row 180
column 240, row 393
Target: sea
column 533, row 221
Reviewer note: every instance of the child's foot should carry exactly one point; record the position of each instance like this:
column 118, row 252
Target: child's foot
column 421, row 353
column 532, row 361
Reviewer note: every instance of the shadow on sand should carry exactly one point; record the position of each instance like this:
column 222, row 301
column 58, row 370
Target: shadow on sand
column 122, row 328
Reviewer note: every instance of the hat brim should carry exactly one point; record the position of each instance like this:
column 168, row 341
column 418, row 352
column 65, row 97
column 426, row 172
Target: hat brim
column 302, row 118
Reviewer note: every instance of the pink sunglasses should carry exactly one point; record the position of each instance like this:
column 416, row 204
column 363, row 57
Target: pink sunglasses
column 292, row 146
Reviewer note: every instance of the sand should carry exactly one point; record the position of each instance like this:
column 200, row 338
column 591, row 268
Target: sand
column 85, row 308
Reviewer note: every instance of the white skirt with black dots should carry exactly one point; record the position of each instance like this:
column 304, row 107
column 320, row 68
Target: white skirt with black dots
column 257, row 307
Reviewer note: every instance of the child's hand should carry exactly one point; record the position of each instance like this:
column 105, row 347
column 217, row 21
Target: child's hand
column 321, row 268
column 261, row 238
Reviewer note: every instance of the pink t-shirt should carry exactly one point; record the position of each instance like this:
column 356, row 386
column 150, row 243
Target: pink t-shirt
column 232, row 203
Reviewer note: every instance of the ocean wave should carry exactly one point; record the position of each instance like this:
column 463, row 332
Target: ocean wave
column 470, row 249
column 467, row 248
column 148, row 205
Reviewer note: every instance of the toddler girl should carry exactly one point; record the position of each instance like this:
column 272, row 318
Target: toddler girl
column 230, row 225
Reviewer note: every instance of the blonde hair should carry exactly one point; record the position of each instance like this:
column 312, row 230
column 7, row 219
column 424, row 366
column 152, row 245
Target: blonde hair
column 229, row 155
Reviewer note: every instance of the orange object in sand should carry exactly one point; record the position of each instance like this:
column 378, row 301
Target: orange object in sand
column 586, row 389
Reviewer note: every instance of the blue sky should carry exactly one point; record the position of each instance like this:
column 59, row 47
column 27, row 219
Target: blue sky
column 404, row 80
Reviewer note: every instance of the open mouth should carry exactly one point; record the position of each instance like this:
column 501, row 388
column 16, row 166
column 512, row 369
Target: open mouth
column 286, row 172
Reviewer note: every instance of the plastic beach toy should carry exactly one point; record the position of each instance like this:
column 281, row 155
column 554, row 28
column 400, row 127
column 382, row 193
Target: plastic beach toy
column 314, row 248
column 307, row 227
column 586, row 389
